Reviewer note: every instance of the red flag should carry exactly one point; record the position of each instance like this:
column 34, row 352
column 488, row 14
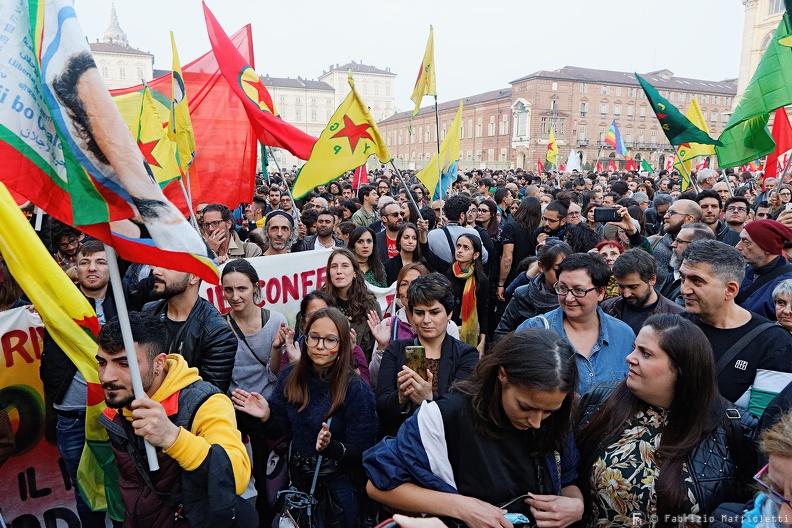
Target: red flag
column 611, row 166
column 670, row 162
column 631, row 165
column 598, row 167
column 782, row 133
column 561, row 168
column 360, row 177
column 702, row 164
column 270, row 129
column 225, row 159
column 540, row 165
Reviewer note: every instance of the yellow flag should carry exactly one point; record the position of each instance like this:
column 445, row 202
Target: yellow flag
column 152, row 139
column 180, row 128
column 72, row 324
column 346, row 143
column 552, row 148
column 449, row 154
column 425, row 84
column 689, row 151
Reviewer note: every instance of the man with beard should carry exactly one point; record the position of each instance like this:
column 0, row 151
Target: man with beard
column 711, row 205
column 392, row 218
column 204, row 467
column 64, row 387
column 278, row 230
column 636, row 274
column 324, row 237
column 680, row 213
column 194, row 328
column 689, row 233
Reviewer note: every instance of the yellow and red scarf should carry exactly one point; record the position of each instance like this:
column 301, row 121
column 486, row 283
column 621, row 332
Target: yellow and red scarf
column 469, row 333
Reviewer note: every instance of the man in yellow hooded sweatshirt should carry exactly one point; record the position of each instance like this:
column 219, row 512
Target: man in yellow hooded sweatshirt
column 203, row 464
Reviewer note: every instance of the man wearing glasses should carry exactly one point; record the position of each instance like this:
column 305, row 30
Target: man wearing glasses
column 736, row 215
column 601, row 341
column 219, row 233
column 66, row 242
column 392, row 218
column 680, row 213
column 689, row 233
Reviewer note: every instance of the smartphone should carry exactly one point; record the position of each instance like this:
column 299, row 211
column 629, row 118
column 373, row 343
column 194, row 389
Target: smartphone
column 606, row 214
column 416, row 359
column 788, row 207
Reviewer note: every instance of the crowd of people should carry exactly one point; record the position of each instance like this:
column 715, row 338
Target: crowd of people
column 598, row 349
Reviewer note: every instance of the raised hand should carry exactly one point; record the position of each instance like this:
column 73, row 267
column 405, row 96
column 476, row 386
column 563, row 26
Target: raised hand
column 251, row 403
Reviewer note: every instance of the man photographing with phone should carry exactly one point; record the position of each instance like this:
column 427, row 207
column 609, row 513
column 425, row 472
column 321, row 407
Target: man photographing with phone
column 400, row 389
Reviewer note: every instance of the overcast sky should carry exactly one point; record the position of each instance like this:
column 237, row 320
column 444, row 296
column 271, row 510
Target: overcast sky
column 480, row 45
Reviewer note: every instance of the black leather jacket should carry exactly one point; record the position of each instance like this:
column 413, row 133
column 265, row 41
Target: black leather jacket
column 205, row 340
column 713, row 464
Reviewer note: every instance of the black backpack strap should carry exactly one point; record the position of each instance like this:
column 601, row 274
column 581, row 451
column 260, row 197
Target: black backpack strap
column 265, row 315
column 450, row 242
column 761, row 281
column 738, row 347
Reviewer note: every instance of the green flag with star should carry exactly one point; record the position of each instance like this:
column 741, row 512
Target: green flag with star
column 645, row 166
column 677, row 128
column 746, row 136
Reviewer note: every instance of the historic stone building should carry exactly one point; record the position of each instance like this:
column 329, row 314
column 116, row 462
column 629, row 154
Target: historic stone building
column 761, row 20
column 120, row 64
column 509, row 128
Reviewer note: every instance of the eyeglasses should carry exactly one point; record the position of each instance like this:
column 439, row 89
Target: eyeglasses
column 211, row 225
column 329, row 342
column 397, row 214
column 678, row 241
column 785, row 193
column 575, row 213
column 483, row 211
column 576, row 292
column 69, row 243
column 672, row 213
column 771, row 493
column 733, row 209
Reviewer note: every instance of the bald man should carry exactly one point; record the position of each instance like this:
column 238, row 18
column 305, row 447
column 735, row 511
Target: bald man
column 680, row 213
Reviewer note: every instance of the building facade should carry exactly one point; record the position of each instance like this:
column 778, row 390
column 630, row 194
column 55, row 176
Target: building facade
column 509, row 128
column 375, row 86
column 761, row 20
column 485, row 137
column 120, row 64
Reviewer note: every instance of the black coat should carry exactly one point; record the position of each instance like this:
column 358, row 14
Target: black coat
column 205, row 340
column 713, row 464
column 458, row 360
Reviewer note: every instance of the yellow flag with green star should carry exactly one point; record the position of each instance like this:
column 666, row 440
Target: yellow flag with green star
column 346, row 143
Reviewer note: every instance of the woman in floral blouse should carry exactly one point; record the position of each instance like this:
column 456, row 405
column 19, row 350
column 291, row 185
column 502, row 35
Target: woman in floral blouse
column 663, row 447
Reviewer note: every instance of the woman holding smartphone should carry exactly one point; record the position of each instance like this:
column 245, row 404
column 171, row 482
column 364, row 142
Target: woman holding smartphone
column 400, row 389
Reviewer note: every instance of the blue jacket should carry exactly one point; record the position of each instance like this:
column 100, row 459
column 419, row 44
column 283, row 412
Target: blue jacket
column 761, row 302
column 607, row 359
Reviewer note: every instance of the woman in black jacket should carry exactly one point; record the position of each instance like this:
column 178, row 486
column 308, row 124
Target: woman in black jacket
column 664, row 447
column 401, row 390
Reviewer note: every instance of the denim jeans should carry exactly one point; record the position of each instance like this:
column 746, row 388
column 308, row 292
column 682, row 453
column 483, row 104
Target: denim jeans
column 70, row 433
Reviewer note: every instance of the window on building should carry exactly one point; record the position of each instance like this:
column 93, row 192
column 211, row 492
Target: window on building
column 469, row 155
column 428, row 135
column 641, row 138
column 313, row 100
column 642, row 115
column 503, row 154
column 583, row 88
column 559, row 126
column 479, row 127
column 618, row 91
column 603, row 109
column 630, row 111
column 776, row 6
column 628, row 135
column 714, row 117
column 601, row 134
column 329, row 101
column 297, row 114
column 104, row 71
column 653, row 135
column 491, row 126
column 632, row 92
column 521, row 118
column 581, row 132
column 387, row 89
column 122, row 72
column 297, row 100
column 553, row 104
column 583, row 109
column 140, row 73
column 388, row 139
column 313, row 114
column 717, row 99
column 490, row 154
column 470, row 128
column 616, row 110
column 543, row 128
column 328, row 115
column 420, row 135
column 604, row 90
column 478, row 155
column 554, row 86
column 400, row 138
column 462, row 132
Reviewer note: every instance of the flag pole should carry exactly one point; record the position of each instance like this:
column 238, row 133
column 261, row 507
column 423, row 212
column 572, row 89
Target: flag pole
column 786, row 169
column 726, row 179
column 188, row 199
column 599, row 155
column 684, row 169
column 437, row 136
column 129, row 342
column 404, row 184
column 285, row 182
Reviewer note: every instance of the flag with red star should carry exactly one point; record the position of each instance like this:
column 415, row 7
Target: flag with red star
column 270, row 129
column 552, row 147
column 151, row 134
column 346, row 143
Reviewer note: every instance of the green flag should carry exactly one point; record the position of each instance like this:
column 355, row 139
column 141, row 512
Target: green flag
column 645, row 166
column 746, row 136
column 677, row 128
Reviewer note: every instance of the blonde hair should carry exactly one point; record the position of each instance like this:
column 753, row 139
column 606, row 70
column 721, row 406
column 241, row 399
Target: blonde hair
column 778, row 439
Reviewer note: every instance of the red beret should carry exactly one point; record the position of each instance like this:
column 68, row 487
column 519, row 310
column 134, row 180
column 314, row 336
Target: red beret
column 769, row 235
